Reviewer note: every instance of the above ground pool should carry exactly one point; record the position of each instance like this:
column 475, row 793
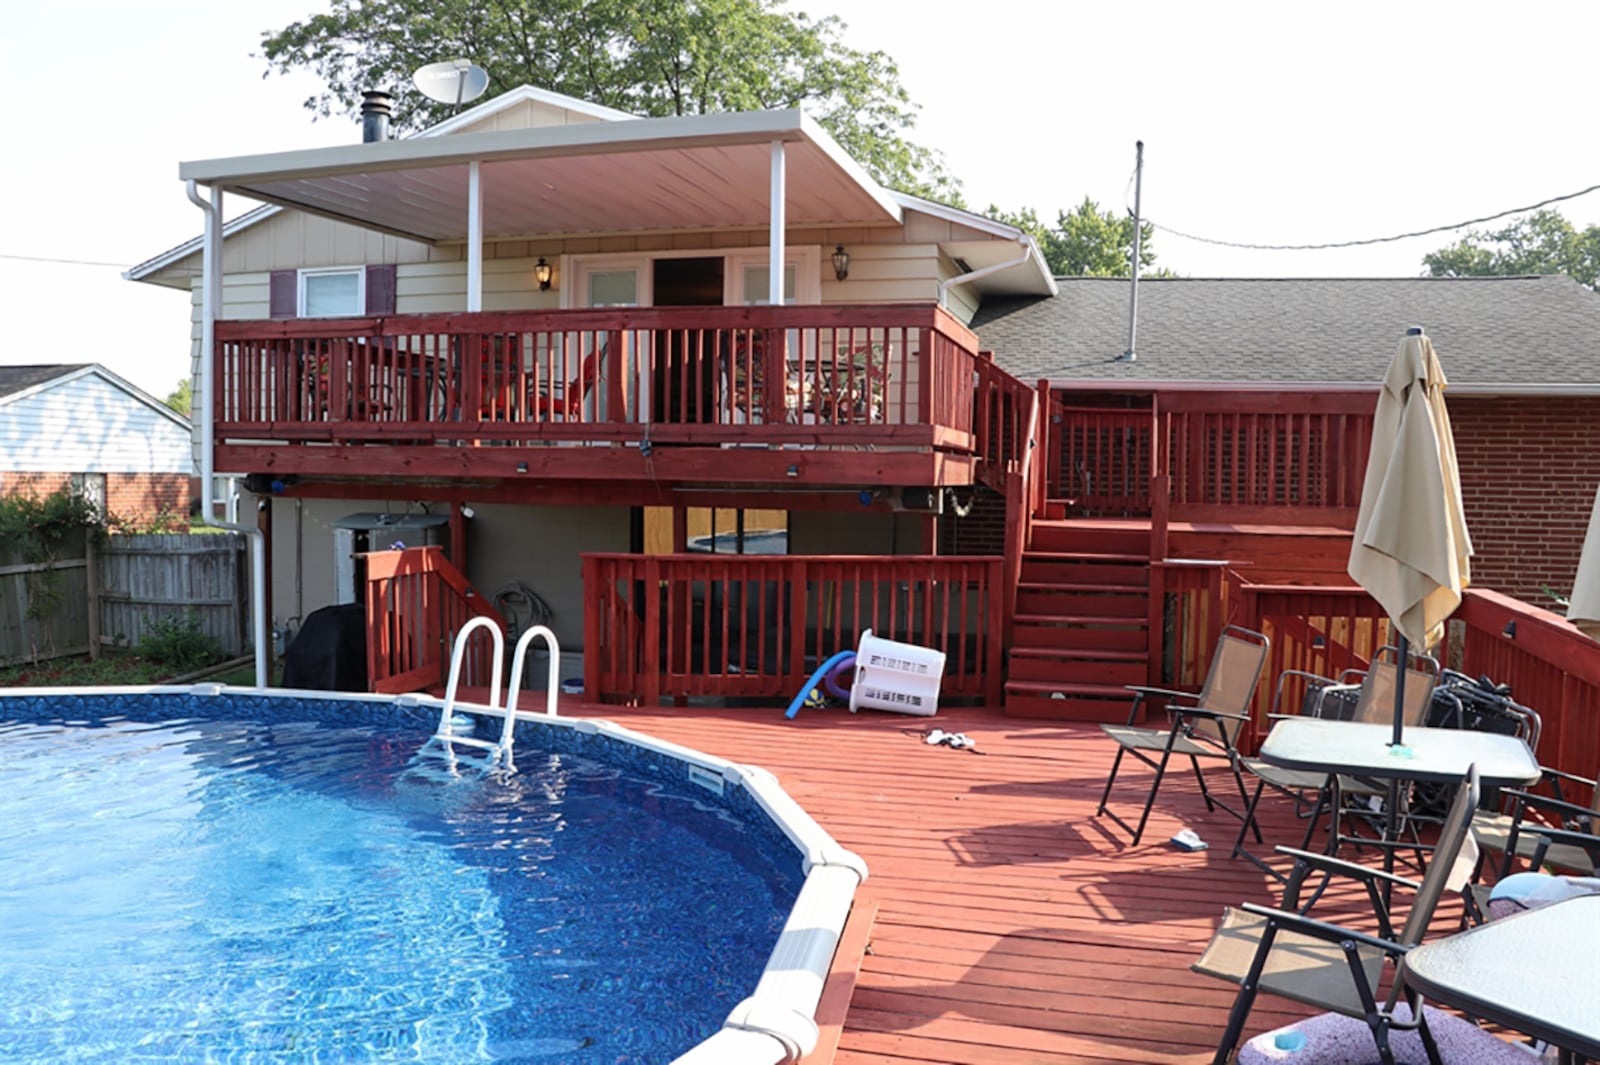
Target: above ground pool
column 224, row 875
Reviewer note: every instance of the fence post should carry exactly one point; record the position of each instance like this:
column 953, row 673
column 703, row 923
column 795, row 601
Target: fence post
column 91, row 581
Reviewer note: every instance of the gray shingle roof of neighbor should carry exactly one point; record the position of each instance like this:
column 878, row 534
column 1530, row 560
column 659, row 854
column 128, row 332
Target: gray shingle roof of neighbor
column 15, row 379
column 1525, row 334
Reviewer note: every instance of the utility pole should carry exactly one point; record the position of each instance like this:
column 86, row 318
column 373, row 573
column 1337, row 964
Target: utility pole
column 1132, row 353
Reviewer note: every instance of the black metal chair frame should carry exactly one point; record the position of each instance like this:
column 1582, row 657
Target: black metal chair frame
column 1181, row 736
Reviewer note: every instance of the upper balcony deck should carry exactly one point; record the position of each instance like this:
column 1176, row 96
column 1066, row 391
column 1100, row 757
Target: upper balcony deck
column 658, row 393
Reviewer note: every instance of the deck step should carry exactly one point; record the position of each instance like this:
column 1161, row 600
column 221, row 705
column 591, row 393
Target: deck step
column 1061, row 702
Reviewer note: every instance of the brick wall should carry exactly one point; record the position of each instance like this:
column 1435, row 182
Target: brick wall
column 137, row 499
column 1529, row 469
column 981, row 532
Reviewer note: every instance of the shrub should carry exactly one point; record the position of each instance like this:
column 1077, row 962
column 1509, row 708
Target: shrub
column 179, row 644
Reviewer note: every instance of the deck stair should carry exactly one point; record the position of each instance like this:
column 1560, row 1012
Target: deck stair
column 1082, row 621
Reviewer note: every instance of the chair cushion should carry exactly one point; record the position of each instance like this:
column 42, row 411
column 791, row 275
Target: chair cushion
column 1300, row 967
column 1332, row 1039
column 1147, row 739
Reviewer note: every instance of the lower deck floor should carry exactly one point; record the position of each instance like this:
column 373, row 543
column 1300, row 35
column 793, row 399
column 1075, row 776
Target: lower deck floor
column 1010, row 924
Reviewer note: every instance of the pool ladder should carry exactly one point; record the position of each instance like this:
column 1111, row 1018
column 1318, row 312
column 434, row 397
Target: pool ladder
column 486, row 756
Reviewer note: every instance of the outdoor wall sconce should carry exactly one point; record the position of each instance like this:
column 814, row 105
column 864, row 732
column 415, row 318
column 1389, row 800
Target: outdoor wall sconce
column 542, row 272
column 522, row 467
column 841, row 262
column 1510, row 631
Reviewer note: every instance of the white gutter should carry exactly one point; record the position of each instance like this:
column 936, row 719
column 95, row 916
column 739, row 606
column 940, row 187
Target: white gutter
column 973, row 275
column 210, row 308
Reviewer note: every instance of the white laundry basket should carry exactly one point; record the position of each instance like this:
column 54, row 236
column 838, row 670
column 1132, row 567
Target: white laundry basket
column 901, row 677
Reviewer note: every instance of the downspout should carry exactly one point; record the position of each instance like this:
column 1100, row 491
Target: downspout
column 973, row 275
column 210, row 306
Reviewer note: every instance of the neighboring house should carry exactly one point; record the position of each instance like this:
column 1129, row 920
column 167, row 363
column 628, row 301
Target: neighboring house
column 83, row 427
column 546, row 336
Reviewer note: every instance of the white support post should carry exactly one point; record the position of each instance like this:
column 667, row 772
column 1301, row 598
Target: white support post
column 776, row 226
column 474, row 236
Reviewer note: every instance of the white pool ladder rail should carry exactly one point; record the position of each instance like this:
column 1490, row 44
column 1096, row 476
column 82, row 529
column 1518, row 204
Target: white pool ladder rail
column 495, row 754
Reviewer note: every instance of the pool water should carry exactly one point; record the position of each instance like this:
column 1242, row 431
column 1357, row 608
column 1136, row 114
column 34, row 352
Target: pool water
column 219, row 890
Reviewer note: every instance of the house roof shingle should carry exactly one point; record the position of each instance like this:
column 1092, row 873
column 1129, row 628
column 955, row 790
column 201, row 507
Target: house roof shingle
column 1527, row 334
column 14, row 379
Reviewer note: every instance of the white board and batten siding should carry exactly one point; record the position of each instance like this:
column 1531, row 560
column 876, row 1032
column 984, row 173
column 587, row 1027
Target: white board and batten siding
column 91, row 422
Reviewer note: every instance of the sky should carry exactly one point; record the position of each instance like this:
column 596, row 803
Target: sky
column 1263, row 123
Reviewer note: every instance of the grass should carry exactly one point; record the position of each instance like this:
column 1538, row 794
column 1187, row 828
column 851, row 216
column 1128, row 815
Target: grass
column 114, row 667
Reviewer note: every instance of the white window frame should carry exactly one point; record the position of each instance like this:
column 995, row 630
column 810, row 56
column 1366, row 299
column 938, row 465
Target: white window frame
column 360, row 274
column 805, row 258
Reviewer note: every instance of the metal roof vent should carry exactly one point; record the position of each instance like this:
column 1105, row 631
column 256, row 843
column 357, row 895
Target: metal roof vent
column 377, row 107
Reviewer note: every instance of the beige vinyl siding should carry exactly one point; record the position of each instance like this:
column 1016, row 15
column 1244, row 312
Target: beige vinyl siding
column 539, row 546
column 959, row 300
column 529, row 114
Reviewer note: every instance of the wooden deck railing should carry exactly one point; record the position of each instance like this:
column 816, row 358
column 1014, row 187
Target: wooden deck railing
column 1101, row 459
column 848, row 374
column 1280, row 457
column 416, row 603
column 755, row 626
column 1215, row 456
column 1551, row 667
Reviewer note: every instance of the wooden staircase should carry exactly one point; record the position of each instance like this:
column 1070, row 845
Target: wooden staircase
column 1082, row 627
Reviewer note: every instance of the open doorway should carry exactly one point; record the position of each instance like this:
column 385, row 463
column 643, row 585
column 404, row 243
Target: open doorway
column 686, row 364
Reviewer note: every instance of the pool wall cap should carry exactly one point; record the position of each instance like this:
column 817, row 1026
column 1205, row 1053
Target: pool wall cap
column 797, row 1032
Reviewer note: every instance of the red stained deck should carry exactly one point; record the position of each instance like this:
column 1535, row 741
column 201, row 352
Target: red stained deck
column 1012, row 926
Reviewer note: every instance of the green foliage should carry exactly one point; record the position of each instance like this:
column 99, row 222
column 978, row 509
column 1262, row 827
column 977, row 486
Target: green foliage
column 1087, row 242
column 40, row 530
column 181, row 398
column 1541, row 243
column 81, row 672
column 178, row 644
column 646, row 57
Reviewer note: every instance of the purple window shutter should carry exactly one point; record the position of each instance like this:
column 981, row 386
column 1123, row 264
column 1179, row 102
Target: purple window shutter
column 284, row 301
column 380, row 290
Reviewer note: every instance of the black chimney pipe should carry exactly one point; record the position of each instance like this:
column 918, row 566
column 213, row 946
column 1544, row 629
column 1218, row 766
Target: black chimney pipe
column 376, row 108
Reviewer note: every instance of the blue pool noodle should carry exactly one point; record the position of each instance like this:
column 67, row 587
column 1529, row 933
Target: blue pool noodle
column 816, row 678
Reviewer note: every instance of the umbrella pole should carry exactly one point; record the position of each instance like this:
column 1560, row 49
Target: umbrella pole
column 1391, row 821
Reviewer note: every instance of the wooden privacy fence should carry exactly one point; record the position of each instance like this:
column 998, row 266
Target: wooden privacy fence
column 151, row 577
column 754, row 626
column 113, row 595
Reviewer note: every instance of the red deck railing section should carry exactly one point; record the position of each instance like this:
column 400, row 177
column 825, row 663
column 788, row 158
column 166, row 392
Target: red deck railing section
column 852, row 374
column 1549, row 665
column 1214, row 456
column 416, row 602
column 755, row 626
column 1283, row 456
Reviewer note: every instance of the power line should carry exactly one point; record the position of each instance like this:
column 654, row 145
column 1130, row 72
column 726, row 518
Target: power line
column 61, row 262
column 1376, row 240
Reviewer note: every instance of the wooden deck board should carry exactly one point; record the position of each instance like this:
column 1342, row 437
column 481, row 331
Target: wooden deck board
column 1012, row 926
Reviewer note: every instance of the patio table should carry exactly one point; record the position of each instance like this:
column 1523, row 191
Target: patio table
column 1362, row 749
column 1532, row 972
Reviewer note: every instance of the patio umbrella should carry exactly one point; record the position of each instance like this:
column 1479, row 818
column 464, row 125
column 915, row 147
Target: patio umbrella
column 1583, row 608
column 1410, row 547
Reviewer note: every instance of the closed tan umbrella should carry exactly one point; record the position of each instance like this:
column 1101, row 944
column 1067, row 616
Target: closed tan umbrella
column 1583, row 609
column 1410, row 548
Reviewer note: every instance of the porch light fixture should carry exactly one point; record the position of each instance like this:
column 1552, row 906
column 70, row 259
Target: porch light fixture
column 542, row 272
column 1510, row 631
column 841, row 262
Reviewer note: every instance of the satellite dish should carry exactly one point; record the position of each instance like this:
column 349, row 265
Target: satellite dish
column 454, row 81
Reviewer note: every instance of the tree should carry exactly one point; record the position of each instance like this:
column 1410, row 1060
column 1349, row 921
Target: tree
column 181, row 398
column 647, row 57
column 1541, row 243
column 1087, row 242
